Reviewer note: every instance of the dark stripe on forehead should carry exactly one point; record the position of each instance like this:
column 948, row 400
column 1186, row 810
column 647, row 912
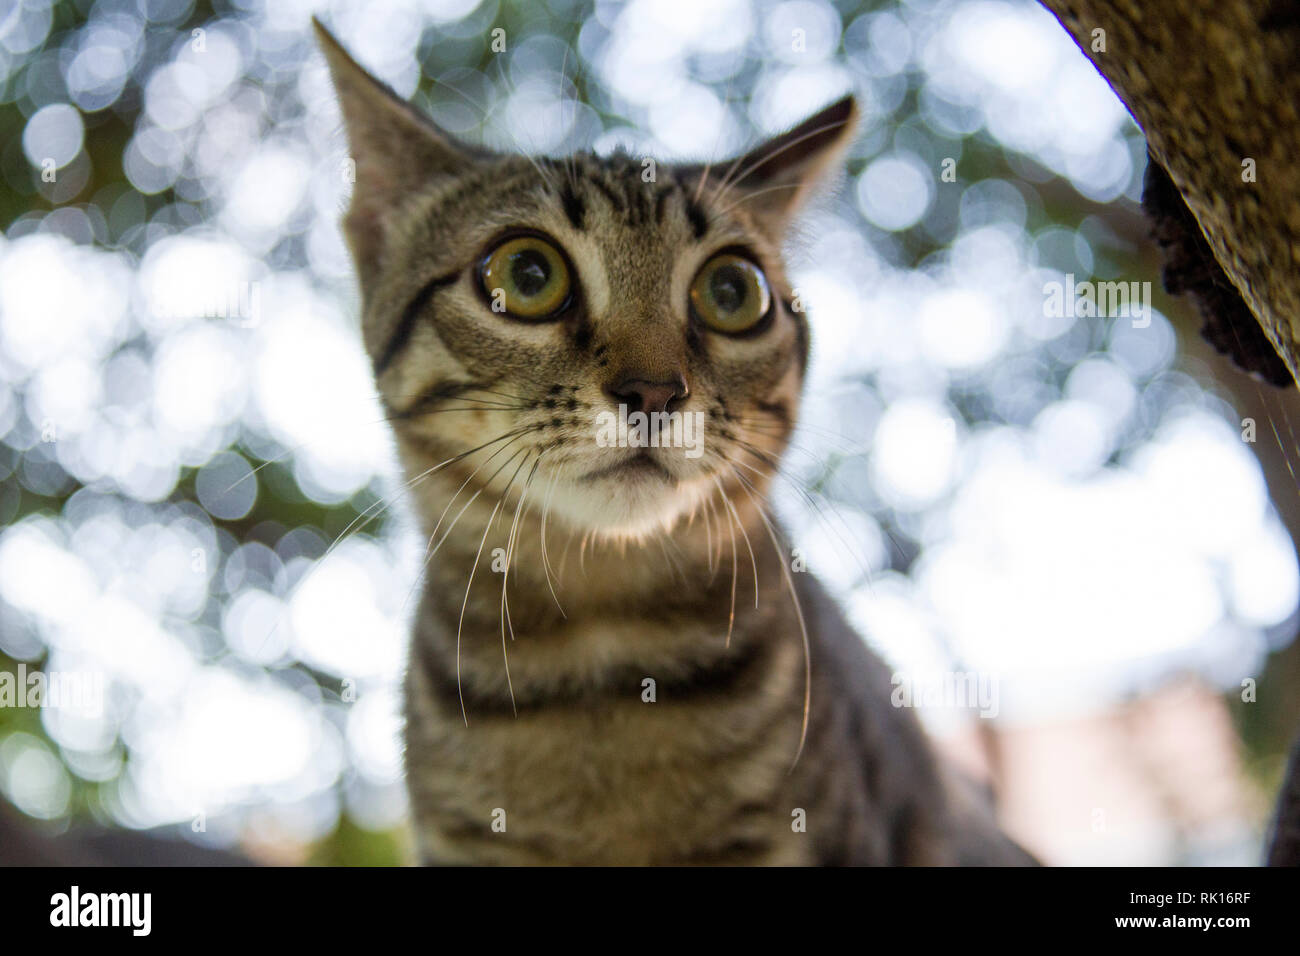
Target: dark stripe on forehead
column 406, row 324
column 661, row 204
column 699, row 219
column 613, row 197
column 623, row 183
column 633, row 194
column 573, row 205
column 645, row 204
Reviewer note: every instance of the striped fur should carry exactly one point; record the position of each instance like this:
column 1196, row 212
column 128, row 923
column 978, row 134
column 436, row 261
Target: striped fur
column 634, row 688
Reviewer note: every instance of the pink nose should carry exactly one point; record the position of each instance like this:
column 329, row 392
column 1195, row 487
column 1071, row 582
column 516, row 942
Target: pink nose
column 643, row 396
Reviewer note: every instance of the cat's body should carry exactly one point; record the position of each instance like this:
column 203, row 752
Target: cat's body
column 613, row 660
column 592, row 771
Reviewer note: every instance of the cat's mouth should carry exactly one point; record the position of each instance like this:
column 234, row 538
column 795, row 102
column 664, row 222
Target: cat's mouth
column 638, row 464
column 635, row 494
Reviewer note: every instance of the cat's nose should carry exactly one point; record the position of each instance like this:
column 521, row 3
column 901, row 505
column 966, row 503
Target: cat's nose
column 641, row 395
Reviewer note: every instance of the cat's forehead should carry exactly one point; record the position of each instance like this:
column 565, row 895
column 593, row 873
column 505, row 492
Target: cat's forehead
column 639, row 193
column 617, row 194
column 639, row 210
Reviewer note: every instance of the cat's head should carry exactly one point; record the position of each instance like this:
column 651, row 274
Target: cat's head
column 543, row 303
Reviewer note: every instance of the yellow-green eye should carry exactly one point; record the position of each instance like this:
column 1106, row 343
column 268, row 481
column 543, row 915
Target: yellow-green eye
column 527, row 278
column 730, row 294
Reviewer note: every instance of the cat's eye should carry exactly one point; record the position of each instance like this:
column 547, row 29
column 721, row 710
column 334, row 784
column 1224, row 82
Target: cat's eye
column 730, row 294
column 526, row 277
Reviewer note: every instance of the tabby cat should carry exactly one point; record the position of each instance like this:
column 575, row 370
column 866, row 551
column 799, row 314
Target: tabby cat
column 612, row 661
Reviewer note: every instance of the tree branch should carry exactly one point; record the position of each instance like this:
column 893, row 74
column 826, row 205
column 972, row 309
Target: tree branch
column 1216, row 88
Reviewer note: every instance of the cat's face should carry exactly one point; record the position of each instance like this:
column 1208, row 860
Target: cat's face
column 621, row 332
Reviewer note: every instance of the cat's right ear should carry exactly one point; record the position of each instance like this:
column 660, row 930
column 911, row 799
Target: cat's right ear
column 394, row 150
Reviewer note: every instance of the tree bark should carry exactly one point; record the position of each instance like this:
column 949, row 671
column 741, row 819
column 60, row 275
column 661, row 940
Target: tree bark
column 1216, row 88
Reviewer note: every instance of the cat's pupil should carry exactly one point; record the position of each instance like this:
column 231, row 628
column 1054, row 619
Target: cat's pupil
column 729, row 288
column 529, row 271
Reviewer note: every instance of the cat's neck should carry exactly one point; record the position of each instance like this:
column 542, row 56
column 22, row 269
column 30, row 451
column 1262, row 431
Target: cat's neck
column 576, row 608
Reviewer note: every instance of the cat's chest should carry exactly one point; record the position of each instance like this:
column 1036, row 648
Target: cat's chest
column 625, row 780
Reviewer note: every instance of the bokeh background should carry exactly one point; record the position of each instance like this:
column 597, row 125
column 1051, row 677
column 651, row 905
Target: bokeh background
column 1075, row 508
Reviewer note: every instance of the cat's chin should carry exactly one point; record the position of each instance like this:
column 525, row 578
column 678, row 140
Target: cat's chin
column 626, row 503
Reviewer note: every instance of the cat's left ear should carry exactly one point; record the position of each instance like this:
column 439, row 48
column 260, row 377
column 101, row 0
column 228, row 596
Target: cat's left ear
column 774, row 180
column 396, row 151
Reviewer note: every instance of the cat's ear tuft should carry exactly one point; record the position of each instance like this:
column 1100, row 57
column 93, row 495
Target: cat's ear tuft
column 775, row 179
column 394, row 149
